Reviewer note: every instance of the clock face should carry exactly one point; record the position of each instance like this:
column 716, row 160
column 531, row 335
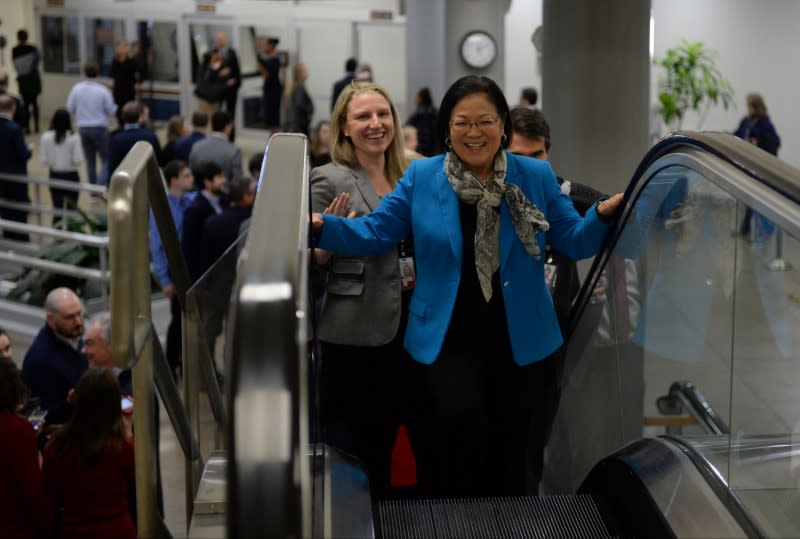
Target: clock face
column 478, row 49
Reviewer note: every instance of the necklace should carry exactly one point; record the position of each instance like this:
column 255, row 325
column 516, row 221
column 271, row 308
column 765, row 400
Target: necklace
column 485, row 181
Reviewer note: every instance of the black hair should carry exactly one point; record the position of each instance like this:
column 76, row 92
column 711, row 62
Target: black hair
column 12, row 389
column 22, row 36
column 199, row 118
column 530, row 124
column 91, row 70
column 219, row 120
column 350, row 65
column 425, row 98
column 205, row 170
column 254, row 165
column 173, row 169
column 464, row 87
column 238, row 189
column 61, row 123
column 530, row 95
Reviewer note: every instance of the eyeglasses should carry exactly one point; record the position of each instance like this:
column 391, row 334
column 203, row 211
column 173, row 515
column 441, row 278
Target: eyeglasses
column 484, row 124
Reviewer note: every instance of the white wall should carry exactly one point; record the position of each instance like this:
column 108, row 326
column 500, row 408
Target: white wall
column 758, row 45
column 523, row 63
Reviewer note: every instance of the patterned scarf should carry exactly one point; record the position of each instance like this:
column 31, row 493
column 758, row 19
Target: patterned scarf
column 528, row 220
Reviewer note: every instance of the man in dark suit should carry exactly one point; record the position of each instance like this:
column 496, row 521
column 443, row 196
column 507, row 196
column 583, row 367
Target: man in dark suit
column 13, row 160
column 53, row 364
column 230, row 71
column 183, row 146
column 219, row 233
column 209, row 178
column 20, row 112
column 134, row 116
column 350, row 73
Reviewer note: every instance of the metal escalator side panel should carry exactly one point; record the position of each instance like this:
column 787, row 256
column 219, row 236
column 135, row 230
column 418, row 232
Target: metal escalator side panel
column 268, row 488
column 651, row 488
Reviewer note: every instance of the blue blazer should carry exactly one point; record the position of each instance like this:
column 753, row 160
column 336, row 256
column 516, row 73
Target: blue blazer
column 424, row 203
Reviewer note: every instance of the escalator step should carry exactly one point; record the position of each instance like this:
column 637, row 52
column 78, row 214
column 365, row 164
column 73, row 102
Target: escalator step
column 568, row 517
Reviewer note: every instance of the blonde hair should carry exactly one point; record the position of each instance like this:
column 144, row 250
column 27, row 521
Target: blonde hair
column 341, row 147
column 757, row 102
column 295, row 76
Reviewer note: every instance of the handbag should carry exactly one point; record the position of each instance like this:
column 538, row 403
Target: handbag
column 210, row 90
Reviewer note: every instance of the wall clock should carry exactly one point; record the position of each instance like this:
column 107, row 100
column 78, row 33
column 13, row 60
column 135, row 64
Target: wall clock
column 478, row 49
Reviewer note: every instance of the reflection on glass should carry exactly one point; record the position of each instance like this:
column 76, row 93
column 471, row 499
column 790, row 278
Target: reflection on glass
column 158, row 44
column 60, row 45
column 101, row 37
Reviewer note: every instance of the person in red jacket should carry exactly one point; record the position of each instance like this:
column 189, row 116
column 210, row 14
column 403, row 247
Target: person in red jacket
column 23, row 506
column 89, row 467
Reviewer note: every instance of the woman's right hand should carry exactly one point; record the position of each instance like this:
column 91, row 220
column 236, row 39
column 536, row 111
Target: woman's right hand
column 337, row 207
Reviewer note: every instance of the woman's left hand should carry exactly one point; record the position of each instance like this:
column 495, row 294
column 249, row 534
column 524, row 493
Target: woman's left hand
column 610, row 207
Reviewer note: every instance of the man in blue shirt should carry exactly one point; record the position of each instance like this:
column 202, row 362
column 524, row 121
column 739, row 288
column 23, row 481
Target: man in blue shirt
column 92, row 103
column 179, row 184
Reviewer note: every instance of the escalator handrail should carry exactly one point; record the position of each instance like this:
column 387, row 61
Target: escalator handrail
column 268, row 492
column 720, row 486
column 763, row 167
column 698, row 406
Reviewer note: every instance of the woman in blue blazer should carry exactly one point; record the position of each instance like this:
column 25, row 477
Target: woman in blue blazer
column 480, row 317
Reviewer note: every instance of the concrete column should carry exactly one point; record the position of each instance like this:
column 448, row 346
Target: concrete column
column 596, row 70
column 434, row 33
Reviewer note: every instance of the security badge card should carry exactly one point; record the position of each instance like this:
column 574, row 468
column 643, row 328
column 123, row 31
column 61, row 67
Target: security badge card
column 408, row 277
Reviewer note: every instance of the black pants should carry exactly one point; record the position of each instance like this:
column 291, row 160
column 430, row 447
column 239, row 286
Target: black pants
column 230, row 103
column 477, row 418
column 174, row 338
column 31, row 104
column 17, row 193
column 61, row 196
column 363, row 399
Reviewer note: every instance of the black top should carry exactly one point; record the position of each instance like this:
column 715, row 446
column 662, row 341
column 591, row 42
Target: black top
column 424, row 119
column 476, row 327
column 26, row 61
column 124, row 74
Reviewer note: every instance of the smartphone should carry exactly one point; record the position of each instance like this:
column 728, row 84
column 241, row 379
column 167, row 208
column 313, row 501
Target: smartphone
column 127, row 405
column 36, row 419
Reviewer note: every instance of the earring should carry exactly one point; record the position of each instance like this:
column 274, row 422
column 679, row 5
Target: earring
column 504, row 138
column 448, row 143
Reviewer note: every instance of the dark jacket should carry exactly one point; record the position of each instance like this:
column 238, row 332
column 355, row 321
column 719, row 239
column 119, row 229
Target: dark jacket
column 50, row 369
column 762, row 130
column 339, row 85
column 123, row 141
column 424, row 119
column 565, row 283
column 194, row 219
column 15, row 153
column 183, row 147
column 300, row 110
column 220, row 231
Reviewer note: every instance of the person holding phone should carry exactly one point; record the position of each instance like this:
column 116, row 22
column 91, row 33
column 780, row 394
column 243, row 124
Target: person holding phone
column 23, row 505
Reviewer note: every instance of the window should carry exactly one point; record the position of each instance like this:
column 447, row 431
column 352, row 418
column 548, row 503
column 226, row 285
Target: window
column 60, row 45
column 101, row 38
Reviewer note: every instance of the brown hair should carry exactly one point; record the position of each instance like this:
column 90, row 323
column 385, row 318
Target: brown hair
column 341, row 148
column 12, row 390
column 97, row 423
column 757, row 102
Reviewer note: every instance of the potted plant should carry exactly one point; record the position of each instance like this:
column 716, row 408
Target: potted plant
column 691, row 82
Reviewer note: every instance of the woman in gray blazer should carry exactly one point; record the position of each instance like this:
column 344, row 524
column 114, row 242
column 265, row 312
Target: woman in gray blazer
column 365, row 370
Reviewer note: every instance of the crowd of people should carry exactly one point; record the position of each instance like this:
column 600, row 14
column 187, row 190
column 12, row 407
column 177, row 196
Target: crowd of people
column 444, row 251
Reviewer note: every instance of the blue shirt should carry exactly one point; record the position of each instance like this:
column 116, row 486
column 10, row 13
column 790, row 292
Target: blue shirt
column 91, row 103
column 178, row 207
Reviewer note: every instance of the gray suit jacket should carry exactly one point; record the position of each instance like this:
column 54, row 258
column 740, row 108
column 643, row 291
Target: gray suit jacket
column 362, row 306
column 222, row 152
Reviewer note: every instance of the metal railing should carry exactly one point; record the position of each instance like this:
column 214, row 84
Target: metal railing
column 36, row 205
column 23, row 255
column 136, row 187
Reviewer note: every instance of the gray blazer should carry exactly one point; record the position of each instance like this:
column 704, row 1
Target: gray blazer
column 362, row 306
column 222, row 152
